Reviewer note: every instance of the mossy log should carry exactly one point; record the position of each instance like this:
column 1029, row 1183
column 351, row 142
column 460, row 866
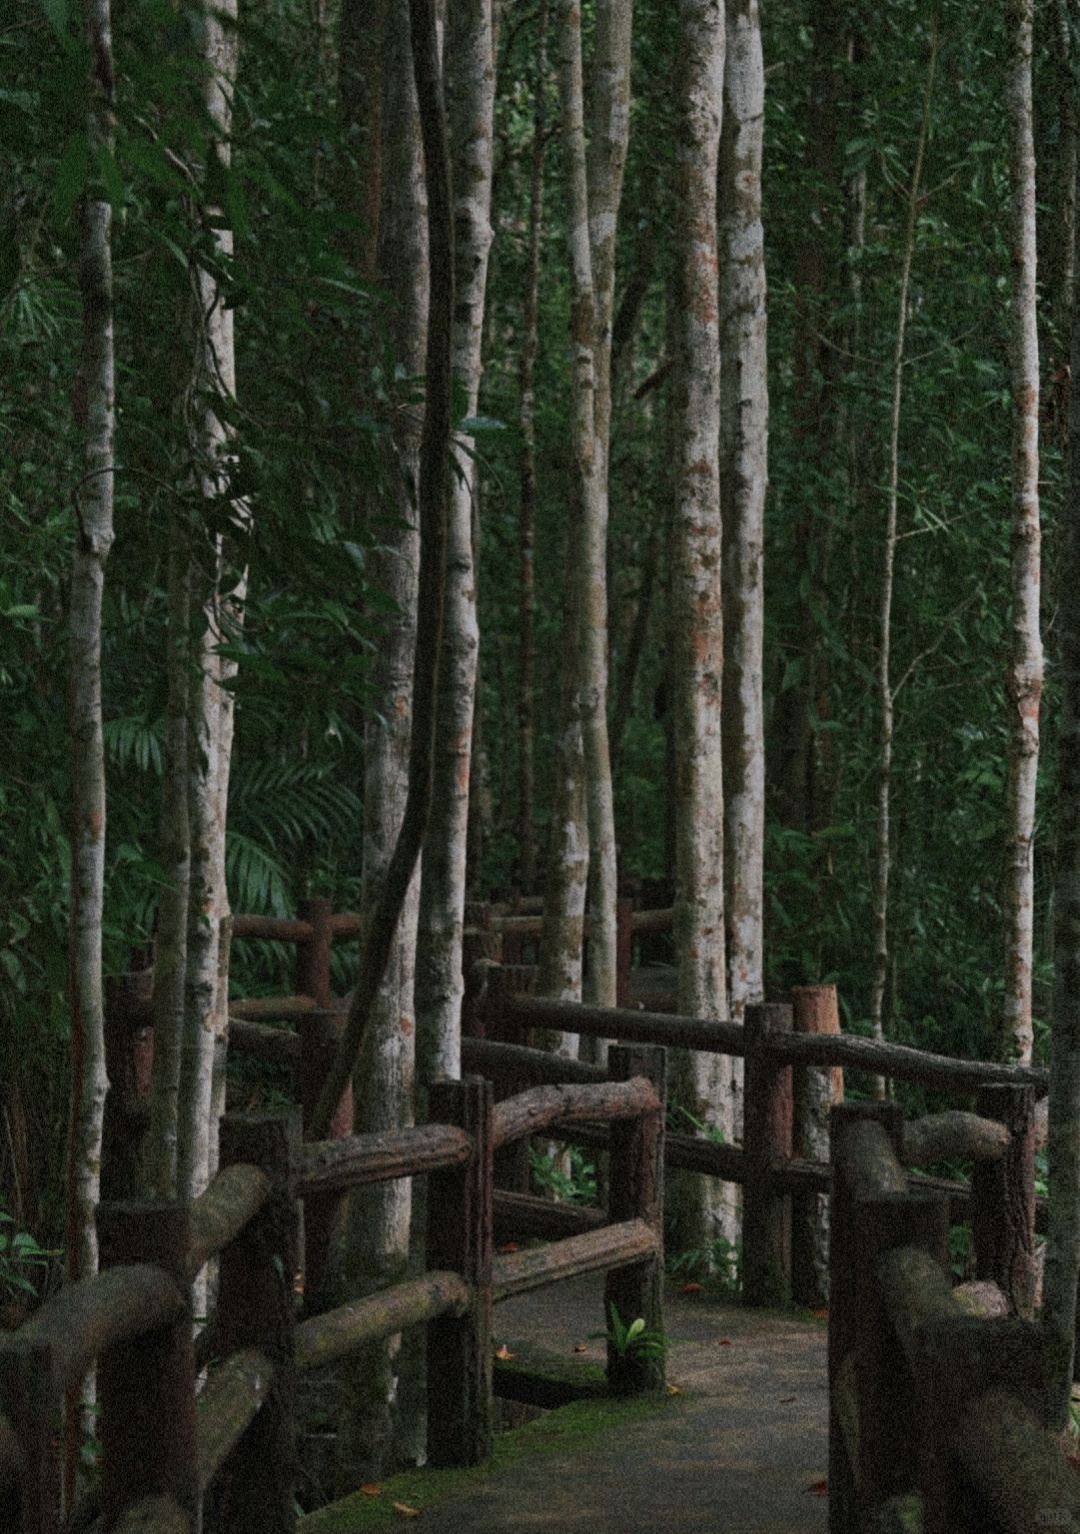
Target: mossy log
column 330, row 1337
column 273, row 1009
column 869, row 1164
column 279, row 1046
column 329, row 1166
column 903, row 1063
column 547, row 1107
column 953, row 1135
column 915, row 1291
column 218, row 1215
column 83, row 1319
column 232, row 1395
column 982, row 1297
column 1017, row 1466
column 612, row 1246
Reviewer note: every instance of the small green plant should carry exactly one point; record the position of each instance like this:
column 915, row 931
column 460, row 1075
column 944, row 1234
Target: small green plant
column 18, row 1252
column 961, row 1252
column 576, row 1186
column 633, row 1341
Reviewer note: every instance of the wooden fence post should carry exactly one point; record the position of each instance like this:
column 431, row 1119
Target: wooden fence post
column 843, row 1258
column 146, row 1387
column 890, row 1429
column 1003, row 1199
column 320, row 1035
column 636, row 1192
column 815, row 1011
column 767, row 1131
column 313, row 953
column 479, row 942
column 254, row 1492
column 460, row 1409
column 30, row 1400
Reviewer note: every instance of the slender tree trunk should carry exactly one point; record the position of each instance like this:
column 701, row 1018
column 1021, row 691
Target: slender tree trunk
column 1065, row 199
column 744, row 416
column 220, row 592
column 703, row 1084
column 170, row 937
column 527, row 509
column 94, row 515
column 470, row 87
column 1063, row 1241
column 886, row 693
column 1025, row 674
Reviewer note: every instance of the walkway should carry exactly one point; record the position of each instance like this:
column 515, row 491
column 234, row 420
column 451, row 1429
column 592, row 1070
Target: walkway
column 741, row 1450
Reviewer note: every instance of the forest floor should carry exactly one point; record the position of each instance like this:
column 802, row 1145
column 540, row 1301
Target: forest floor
column 741, row 1448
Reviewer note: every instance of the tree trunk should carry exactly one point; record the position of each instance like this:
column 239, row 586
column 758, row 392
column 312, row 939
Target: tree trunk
column 93, row 499
column 1065, row 188
column 470, row 90
column 744, row 414
column 1063, row 1241
column 527, row 505
column 702, row 1084
column 1025, row 674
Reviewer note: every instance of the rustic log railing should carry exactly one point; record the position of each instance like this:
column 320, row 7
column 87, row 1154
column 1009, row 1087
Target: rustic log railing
column 164, row 1450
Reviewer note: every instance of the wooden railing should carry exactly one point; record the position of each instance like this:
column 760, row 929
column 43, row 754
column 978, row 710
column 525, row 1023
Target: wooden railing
column 937, row 1396
column 164, row 1450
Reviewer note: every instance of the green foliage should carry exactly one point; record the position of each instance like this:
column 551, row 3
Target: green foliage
column 569, row 1175
column 633, row 1340
column 20, row 1257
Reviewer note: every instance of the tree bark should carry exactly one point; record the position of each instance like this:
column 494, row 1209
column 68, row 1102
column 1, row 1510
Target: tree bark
column 702, row 1084
column 886, row 694
column 527, row 503
column 1059, row 1289
column 93, row 499
column 744, row 413
column 1025, row 674
column 470, row 90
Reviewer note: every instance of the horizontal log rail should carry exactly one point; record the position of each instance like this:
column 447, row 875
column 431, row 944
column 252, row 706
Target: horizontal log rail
column 491, row 1058
column 233, row 1394
column 218, row 1216
column 332, row 1166
column 556, row 1107
column 525, row 1214
column 904, row 1063
column 623, row 1023
column 331, row 1337
column 278, row 1045
column 611, row 1246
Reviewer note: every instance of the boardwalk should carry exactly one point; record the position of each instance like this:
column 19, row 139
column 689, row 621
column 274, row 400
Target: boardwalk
column 742, row 1450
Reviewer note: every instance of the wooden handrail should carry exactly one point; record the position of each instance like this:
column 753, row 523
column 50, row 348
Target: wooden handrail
column 328, row 1338
column 219, row 1214
column 904, row 1063
column 627, row 1024
column 611, row 1246
column 549, row 1107
column 229, row 1401
column 327, row 1166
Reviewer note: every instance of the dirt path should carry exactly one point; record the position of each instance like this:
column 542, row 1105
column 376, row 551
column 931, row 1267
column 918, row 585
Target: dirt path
column 738, row 1451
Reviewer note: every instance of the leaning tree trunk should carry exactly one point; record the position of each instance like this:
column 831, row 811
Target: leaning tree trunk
column 1063, row 1241
column 93, row 499
column 1025, row 673
column 744, row 424
column 470, row 89
column 886, row 691
column 219, row 591
column 702, row 1084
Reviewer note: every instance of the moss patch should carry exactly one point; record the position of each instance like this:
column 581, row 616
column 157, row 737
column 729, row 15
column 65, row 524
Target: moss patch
column 567, row 1428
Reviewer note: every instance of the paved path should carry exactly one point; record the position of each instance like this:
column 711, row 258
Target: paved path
column 738, row 1452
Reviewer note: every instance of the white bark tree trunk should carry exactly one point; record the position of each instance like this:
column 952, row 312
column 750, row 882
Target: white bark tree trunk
column 94, row 512
column 744, row 425
column 703, row 1085
column 1025, row 674
column 470, row 87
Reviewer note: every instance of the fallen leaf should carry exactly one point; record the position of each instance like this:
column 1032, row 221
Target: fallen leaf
column 692, row 1289
column 674, row 1390
column 581, row 1347
column 725, row 1342
column 403, row 1510
column 504, row 1353
column 820, row 1315
column 371, row 1490
column 819, row 1488
column 786, row 1400
column 509, row 1246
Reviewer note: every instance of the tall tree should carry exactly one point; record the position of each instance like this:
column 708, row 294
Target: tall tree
column 93, row 498
column 744, row 415
column 594, row 176
column 703, row 1084
column 470, row 91
column 1025, row 672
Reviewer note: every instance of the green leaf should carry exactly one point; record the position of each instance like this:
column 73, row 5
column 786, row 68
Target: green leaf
column 71, row 176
